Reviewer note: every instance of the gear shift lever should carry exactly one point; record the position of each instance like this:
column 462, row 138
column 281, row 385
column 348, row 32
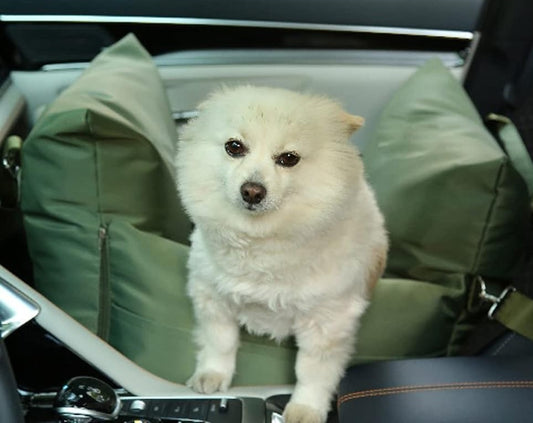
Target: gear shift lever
column 84, row 399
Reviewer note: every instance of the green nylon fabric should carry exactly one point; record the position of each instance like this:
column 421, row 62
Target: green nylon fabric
column 108, row 236
column 516, row 313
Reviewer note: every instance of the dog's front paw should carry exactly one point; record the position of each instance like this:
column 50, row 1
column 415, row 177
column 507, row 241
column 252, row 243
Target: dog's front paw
column 301, row 413
column 209, row 382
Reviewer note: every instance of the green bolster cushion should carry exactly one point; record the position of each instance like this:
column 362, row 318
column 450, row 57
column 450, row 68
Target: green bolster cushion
column 453, row 202
column 108, row 236
column 102, row 151
column 454, row 205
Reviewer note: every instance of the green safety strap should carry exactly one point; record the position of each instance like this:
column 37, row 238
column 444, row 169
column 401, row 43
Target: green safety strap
column 515, row 148
column 511, row 308
column 515, row 311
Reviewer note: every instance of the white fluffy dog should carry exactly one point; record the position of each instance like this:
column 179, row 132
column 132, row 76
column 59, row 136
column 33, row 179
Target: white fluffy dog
column 288, row 238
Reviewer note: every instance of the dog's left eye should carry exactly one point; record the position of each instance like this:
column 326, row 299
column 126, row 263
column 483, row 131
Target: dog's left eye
column 235, row 148
column 288, row 159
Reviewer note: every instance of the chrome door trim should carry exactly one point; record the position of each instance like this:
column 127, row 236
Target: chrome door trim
column 420, row 32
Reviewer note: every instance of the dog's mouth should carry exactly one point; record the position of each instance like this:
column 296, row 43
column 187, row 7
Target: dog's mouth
column 255, row 208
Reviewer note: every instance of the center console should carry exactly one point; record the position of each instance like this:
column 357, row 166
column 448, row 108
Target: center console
column 87, row 400
column 214, row 410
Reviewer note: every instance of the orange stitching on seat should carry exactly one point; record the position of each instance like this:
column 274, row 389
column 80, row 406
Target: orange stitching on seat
column 420, row 388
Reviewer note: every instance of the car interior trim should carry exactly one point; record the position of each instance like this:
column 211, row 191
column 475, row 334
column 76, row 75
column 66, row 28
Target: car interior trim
column 294, row 56
column 437, row 33
column 288, row 57
column 15, row 309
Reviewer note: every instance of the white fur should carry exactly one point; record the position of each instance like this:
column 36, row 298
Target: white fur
column 302, row 261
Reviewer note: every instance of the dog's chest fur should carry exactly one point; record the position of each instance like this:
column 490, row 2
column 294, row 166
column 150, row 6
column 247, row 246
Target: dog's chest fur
column 269, row 285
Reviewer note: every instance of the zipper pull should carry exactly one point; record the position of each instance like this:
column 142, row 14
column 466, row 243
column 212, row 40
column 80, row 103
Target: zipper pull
column 102, row 236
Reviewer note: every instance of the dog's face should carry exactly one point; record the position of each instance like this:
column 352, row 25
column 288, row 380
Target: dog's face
column 254, row 178
column 260, row 156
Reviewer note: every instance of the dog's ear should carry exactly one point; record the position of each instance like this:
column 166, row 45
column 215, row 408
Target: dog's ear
column 353, row 122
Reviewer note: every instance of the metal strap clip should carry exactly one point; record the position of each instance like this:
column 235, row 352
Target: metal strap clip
column 495, row 300
column 11, row 155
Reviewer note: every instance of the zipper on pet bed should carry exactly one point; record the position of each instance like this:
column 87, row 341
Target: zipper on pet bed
column 104, row 296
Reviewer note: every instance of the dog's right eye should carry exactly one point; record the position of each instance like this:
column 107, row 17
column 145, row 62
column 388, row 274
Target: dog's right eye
column 235, row 148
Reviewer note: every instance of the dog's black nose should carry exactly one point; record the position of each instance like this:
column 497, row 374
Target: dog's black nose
column 252, row 192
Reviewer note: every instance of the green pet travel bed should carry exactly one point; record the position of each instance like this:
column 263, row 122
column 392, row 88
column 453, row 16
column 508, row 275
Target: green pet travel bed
column 109, row 239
